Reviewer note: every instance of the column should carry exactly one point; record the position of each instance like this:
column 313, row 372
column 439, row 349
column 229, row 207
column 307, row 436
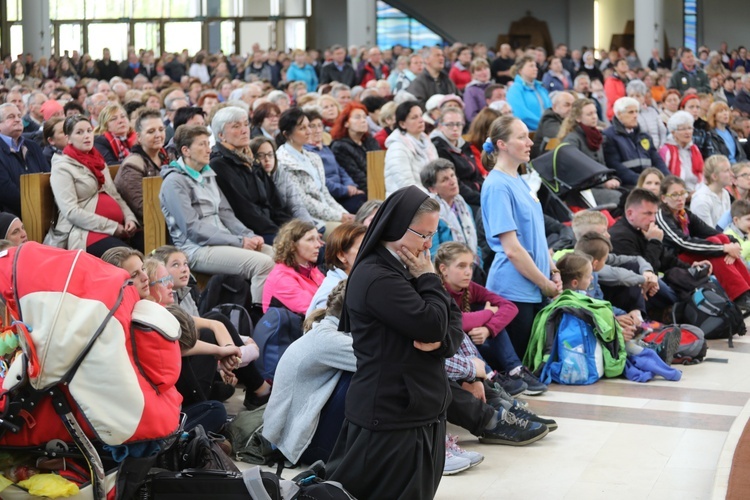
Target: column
column 36, row 28
column 360, row 22
column 649, row 27
column 213, row 9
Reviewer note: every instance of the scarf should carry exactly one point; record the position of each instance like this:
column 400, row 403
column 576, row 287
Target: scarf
column 92, row 159
column 682, row 219
column 120, row 148
column 675, row 165
column 421, row 147
column 460, row 221
column 593, row 137
column 163, row 156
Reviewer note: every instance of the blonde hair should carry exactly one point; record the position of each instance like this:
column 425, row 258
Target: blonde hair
column 586, row 219
column 572, row 267
column 571, row 121
column 646, row 172
column 150, row 266
column 711, row 166
column 713, row 110
column 447, row 253
column 334, row 306
column 116, row 256
column 106, row 116
column 500, row 130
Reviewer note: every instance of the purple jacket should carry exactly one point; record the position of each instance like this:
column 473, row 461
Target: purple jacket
column 474, row 100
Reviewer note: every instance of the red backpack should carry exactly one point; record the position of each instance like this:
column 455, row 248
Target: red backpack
column 693, row 346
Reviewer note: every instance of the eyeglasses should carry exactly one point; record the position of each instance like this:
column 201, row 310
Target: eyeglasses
column 677, row 196
column 316, row 127
column 742, row 176
column 162, row 281
column 454, row 125
column 684, row 129
column 264, row 156
column 425, row 237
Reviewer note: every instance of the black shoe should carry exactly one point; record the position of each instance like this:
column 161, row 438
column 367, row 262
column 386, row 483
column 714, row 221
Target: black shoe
column 743, row 303
column 253, row 402
column 521, row 411
column 221, row 392
column 513, row 431
column 513, row 386
column 670, row 345
column 534, row 386
column 496, row 396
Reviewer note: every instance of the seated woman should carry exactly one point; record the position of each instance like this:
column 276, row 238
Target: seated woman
column 701, row 131
column 54, row 137
column 670, row 105
column 580, row 129
column 711, row 200
column 478, row 131
column 694, row 240
column 352, row 142
column 740, row 188
column 248, row 189
column 294, row 279
column 456, row 217
column 93, row 216
column 683, row 158
column 556, row 78
column 340, row 251
column 451, row 146
column 147, row 158
column 408, row 149
column 266, row 121
column 201, row 222
column 723, row 138
column 306, row 409
column 114, row 136
column 387, row 121
column 329, row 110
column 651, row 179
column 338, row 182
column 305, row 169
column 648, row 117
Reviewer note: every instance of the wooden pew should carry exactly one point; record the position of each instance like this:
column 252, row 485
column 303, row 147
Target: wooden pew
column 154, row 226
column 376, row 175
column 38, row 209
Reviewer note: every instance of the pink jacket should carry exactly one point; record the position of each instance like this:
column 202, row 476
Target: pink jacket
column 288, row 286
column 478, row 296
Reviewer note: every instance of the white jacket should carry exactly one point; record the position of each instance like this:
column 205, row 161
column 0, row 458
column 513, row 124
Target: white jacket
column 404, row 159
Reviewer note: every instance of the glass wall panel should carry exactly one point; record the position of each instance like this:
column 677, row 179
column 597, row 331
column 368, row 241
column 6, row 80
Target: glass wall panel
column 178, row 36
column 66, row 9
column 70, row 38
column 16, row 40
column 228, row 39
column 146, row 37
column 112, row 36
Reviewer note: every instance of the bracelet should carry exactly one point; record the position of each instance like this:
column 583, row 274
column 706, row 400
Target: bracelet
column 556, row 271
column 228, row 345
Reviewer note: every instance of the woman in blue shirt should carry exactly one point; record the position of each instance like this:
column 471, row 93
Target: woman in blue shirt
column 723, row 138
column 522, row 270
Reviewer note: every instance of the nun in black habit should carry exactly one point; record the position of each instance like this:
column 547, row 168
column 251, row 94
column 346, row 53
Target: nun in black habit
column 403, row 326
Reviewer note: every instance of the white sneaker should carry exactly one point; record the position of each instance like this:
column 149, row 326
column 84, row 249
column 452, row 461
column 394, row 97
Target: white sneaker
column 451, row 445
column 454, row 464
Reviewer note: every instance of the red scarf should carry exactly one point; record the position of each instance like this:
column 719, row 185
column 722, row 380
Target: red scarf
column 92, row 159
column 675, row 165
column 593, row 137
column 682, row 218
column 478, row 155
column 120, row 148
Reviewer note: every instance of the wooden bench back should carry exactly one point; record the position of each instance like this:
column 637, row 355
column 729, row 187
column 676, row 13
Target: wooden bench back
column 376, row 175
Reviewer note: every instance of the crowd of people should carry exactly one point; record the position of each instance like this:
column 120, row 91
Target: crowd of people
column 420, row 305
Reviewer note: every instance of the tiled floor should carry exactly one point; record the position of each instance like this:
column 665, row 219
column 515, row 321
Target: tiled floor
column 620, row 439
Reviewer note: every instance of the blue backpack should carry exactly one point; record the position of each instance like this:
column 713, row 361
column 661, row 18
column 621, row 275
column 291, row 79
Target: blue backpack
column 576, row 356
column 275, row 331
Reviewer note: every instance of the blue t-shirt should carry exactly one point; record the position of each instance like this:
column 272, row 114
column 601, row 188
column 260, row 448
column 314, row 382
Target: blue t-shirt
column 508, row 205
column 726, row 135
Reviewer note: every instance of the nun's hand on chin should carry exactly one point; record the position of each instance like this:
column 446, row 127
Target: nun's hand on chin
column 417, row 265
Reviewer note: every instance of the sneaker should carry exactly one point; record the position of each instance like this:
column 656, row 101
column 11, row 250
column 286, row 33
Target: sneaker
column 496, row 395
column 534, row 386
column 513, row 431
column 451, row 445
column 512, row 386
column 523, row 412
column 670, row 345
column 454, row 464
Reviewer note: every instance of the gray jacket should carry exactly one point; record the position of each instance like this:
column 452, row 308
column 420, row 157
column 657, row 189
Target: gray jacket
column 305, row 378
column 197, row 214
column 576, row 138
column 614, row 275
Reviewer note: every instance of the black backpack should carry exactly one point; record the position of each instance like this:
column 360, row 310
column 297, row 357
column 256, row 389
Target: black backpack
column 225, row 289
column 710, row 309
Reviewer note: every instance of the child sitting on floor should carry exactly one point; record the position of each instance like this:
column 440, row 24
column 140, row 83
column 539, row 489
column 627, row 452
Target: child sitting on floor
column 740, row 227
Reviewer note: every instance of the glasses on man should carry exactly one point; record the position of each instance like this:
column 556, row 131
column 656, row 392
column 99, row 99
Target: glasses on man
column 677, row 196
column 425, row 237
column 162, row 281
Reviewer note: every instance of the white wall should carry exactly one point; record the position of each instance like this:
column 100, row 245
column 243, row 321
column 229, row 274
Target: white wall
column 725, row 21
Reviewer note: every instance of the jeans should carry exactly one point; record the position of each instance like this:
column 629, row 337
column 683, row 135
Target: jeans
column 210, row 414
column 329, row 424
column 251, row 265
column 499, row 353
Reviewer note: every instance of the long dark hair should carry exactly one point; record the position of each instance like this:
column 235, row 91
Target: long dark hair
column 288, row 121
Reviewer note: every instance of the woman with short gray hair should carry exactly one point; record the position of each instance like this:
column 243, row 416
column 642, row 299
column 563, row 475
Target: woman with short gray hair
column 683, row 158
column 456, row 218
column 648, row 116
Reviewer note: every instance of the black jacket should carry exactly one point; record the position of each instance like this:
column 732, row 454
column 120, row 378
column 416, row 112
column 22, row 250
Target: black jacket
column 469, row 178
column 12, row 166
column 330, row 73
column 720, row 147
column 425, row 86
column 397, row 386
column 627, row 240
column 250, row 192
column 102, row 145
column 107, row 69
column 695, row 242
column 549, row 126
column 353, row 158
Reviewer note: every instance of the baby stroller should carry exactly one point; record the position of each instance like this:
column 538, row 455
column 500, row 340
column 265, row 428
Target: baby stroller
column 567, row 177
column 91, row 377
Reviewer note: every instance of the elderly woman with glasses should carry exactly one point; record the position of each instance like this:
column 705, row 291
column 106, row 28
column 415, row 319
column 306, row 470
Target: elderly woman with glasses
column 682, row 156
column 694, row 240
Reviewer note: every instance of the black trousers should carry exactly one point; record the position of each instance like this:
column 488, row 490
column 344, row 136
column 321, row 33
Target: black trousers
column 101, row 246
column 399, row 464
column 519, row 330
column 467, row 411
column 626, row 298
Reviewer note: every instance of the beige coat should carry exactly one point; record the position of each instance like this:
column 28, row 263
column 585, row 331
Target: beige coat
column 77, row 194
